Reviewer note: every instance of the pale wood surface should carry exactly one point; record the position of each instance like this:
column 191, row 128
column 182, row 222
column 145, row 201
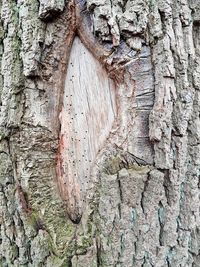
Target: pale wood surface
column 88, row 113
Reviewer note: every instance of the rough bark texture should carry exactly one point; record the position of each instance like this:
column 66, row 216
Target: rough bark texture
column 142, row 203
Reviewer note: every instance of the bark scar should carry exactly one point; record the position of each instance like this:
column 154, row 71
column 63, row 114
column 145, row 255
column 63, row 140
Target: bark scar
column 114, row 69
column 69, row 182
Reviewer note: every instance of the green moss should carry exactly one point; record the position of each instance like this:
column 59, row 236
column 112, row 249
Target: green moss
column 113, row 164
column 33, row 219
column 84, row 243
column 122, row 160
column 139, row 169
column 66, row 264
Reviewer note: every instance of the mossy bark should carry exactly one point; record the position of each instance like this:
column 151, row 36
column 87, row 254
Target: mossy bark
column 142, row 205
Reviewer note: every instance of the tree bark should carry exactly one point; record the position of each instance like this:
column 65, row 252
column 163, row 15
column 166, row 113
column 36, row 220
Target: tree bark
column 99, row 133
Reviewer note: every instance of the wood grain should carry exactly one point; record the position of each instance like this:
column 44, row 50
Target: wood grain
column 87, row 116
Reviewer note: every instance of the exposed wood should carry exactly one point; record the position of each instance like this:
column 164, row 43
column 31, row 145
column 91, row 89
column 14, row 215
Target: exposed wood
column 88, row 112
column 142, row 196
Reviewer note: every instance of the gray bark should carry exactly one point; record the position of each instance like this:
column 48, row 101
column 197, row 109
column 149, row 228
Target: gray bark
column 141, row 197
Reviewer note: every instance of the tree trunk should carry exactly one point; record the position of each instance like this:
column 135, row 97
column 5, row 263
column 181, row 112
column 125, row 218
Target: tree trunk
column 99, row 133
